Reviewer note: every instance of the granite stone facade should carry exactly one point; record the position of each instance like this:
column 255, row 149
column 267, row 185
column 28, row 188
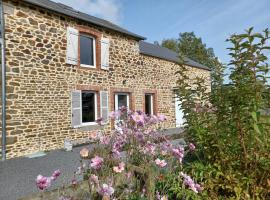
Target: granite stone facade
column 39, row 82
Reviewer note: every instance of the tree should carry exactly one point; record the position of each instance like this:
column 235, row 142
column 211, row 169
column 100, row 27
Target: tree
column 191, row 46
column 171, row 44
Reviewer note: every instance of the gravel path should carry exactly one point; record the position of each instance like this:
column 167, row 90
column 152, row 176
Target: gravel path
column 17, row 176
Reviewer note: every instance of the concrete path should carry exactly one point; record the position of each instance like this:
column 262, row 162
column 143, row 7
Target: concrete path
column 17, row 176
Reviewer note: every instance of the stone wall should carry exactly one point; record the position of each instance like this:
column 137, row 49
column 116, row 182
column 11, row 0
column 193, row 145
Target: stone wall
column 39, row 82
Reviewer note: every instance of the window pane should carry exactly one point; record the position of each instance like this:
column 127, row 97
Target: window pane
column 88, row 107
column 148, row 104
column 122, row 100
column 86, row 50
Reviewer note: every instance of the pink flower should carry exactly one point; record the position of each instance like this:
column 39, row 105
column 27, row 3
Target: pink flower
column 123, row 109
column 116, row 153
column 74, row 182
column 198, row 187
column 161, row 117
column 100, row 121
column 191, row 184
column 191, row 147
column 179, row 153
column 166, row 147
column 119, row 168
column 106, row 190
column 138, row 118
column 153, row 119
column 55, row 174
column 43, row 182
column 96, row 162
column 115, row 114
column 149, row 148
column 161, row 163
column 93, row 178
column 84, row 153
column 105, row 140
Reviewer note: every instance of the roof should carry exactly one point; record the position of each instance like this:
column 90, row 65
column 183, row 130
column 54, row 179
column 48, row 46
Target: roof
column 68, row 11
column 166, row 54
column 145, row 48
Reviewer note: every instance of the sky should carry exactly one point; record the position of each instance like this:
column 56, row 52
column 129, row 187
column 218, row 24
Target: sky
column 212, row 20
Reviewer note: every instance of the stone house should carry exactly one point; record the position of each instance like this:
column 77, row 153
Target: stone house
column 66, row 68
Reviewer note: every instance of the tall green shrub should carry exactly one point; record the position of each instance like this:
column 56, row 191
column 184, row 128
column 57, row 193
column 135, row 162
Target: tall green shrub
column 229, row 123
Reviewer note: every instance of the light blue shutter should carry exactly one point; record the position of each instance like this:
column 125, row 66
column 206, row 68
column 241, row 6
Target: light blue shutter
column 104, row 105
column 105, row 53
column 76, row 108
column 72, row 46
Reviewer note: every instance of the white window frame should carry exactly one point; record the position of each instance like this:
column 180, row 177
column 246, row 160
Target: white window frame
column 96, row 110
column 94, row 51
column 152, row 102
column 116, row 100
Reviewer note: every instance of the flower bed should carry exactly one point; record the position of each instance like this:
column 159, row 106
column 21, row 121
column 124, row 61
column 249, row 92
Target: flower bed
column 132, row 162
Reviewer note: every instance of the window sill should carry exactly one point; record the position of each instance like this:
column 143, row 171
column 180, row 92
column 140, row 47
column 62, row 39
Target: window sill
column 89, row 127
column 88, row 66
column 89, row 124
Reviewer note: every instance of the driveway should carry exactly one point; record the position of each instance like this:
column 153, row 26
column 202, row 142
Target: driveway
column 17, row 176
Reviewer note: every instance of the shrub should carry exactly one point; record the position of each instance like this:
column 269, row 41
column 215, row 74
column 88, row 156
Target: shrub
column 228, row 124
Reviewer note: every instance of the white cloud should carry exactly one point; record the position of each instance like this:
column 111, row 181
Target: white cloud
column 106, row 9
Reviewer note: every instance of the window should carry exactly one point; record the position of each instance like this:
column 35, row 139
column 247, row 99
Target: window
column 121, row 99
column 149, row 104
column 87, row 51
column 89, row 107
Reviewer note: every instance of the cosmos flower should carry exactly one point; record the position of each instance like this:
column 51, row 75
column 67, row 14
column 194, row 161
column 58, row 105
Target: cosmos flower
column 120, row 168
column 55, row 174
column 96, row 162
column 160, row 163
column 84, row 153
column 105, row 190
column 190, row 183
column 115, row 114
column 138, row 118
column 94, row 179
column 191, row 146
column 100, row 121
column 178, row 153
column 43, row 182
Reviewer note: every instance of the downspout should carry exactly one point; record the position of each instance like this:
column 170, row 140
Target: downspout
column 3, row 62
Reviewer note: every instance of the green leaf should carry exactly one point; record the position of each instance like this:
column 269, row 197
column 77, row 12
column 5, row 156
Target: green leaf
column 254, row 116
column 256, row 128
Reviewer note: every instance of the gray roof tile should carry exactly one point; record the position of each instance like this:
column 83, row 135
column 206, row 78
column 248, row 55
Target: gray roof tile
column 166, row 54
column 66, row 10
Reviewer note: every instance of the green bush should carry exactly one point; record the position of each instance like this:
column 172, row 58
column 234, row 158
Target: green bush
column 229, row 124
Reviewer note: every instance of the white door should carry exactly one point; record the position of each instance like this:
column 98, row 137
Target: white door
column 179, row 115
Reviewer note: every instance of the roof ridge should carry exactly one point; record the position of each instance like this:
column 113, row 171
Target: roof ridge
column 69, row 11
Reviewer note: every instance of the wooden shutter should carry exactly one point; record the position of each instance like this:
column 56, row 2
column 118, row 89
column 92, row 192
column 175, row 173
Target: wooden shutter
column 76, row 108
column 104, row 105
column 105, row 53
column 72, row 46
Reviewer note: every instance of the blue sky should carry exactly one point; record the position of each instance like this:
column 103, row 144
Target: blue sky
column 213, row 20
